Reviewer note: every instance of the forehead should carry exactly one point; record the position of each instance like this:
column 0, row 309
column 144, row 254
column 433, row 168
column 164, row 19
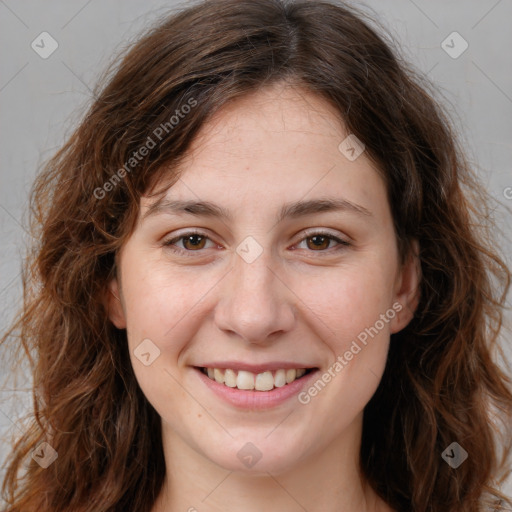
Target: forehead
column 277, row 145
column 260, row 123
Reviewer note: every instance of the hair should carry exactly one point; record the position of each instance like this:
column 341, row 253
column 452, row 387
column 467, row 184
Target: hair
column 442, row 382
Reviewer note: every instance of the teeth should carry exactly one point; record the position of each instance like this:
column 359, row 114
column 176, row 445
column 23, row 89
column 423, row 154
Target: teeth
column 280, row 378
column 291, row 375
column 265, row 381
column 230, row 378
column 218, row 375
column 245, row 380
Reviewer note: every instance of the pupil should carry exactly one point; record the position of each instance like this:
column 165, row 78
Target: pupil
column 319, row 241
column 194, row 240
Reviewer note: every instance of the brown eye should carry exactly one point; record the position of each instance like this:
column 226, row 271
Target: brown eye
column 319, row 242
column 196, row 242
column 192, row 242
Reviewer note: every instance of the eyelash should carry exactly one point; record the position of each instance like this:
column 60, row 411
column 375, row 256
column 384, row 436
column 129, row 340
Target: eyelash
column 170, row 243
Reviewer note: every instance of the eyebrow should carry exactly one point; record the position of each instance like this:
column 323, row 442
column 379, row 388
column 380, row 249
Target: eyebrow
column 292, row 210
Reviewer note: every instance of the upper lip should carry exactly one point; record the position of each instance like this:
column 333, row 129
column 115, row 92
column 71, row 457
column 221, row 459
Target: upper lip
column 255, row 368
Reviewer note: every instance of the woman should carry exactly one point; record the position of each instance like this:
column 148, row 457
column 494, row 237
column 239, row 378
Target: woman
column 260, row 284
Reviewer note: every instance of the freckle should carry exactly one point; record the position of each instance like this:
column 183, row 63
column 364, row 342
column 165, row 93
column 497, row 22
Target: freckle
column 199, row 415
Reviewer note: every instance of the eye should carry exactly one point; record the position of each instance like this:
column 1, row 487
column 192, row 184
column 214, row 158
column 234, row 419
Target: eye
column 320, row 241
column 195, row 241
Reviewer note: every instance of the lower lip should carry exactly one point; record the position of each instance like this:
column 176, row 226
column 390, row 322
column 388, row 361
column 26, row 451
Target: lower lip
column 251, row 399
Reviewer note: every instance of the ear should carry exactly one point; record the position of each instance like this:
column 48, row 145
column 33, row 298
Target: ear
column 407, row 290
column 115, row 309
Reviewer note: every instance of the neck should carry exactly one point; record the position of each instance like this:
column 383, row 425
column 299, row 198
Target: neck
column 329, row 481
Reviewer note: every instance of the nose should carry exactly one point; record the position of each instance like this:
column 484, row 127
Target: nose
column 256, row 305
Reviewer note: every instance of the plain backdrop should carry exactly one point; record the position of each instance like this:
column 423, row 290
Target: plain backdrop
column 43, row 99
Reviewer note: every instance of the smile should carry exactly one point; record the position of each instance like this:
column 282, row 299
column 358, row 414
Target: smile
column 247, row 381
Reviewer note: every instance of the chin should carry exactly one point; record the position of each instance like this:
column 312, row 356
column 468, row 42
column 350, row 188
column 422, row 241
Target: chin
column 257, row 457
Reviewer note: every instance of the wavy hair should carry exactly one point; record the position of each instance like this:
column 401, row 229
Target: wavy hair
column 442, row 382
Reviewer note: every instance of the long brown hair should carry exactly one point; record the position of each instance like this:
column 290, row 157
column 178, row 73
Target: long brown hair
column 442, row 383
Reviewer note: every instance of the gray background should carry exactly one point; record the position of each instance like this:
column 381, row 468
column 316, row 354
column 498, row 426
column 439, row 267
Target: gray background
column 42, row 100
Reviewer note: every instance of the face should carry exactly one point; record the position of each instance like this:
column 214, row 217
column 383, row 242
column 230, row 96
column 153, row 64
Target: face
column 287, row 281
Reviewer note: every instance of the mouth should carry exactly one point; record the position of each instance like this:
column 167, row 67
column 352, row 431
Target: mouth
column 265, row 381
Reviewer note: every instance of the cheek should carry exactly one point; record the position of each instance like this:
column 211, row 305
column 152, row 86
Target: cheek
column 163, row 306
column 354, row 303
column 160, row 302
column 347, row 300
column 357, row 350
column 352, row 307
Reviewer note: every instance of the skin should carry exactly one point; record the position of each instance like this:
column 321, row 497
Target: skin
column 295, row 302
